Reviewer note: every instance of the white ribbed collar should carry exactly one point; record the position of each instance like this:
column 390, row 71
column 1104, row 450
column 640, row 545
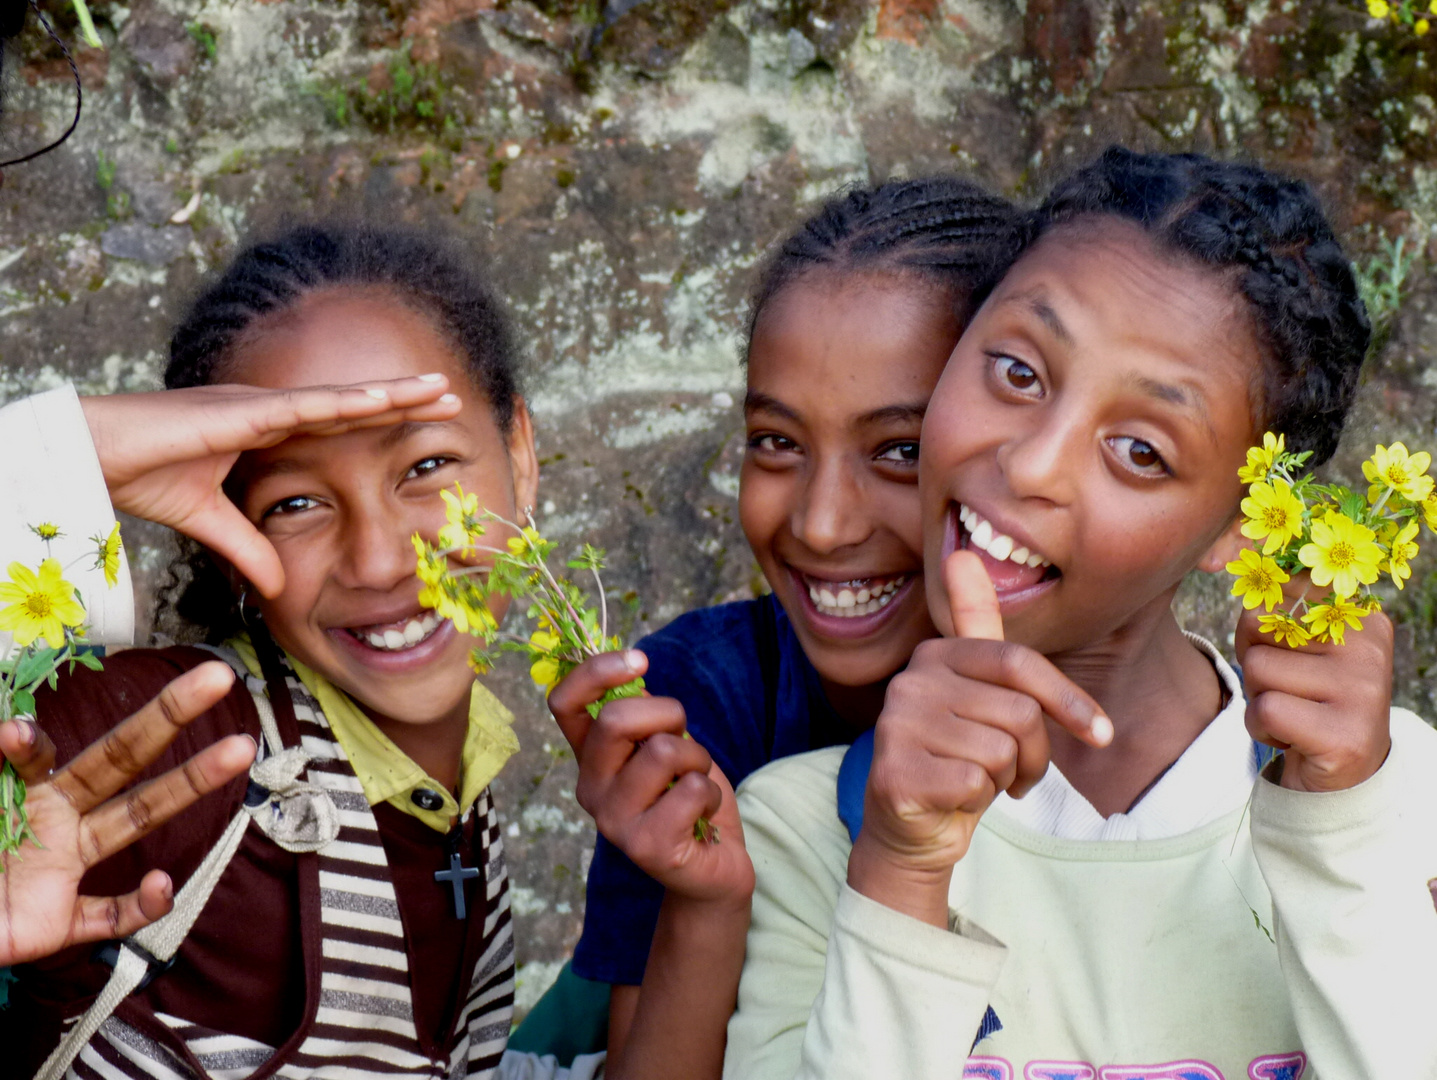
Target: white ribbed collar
column 1213, row 777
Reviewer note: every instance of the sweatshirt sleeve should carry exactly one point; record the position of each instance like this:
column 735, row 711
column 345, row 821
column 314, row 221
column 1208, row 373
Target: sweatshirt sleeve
column 1350, row 874
column 520, row 1066
column 836, row 985
column 49, row 472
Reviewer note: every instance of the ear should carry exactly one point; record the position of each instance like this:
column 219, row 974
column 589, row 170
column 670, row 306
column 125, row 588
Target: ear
column 523, row 461
column 1225, row 548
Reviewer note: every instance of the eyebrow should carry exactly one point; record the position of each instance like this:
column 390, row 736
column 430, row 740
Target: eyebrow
column 1037, row 303
column 756, row 401
column 1191, row 399
column 396, row 434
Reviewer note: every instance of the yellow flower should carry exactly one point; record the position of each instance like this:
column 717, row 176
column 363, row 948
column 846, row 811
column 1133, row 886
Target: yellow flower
column 1332, row 620
column 1259, row 580
column 1378, row 9
column 544, row 640
column 527, row 541
column 1284, row 627
column 1342, row 554
column 1400, row 552
column 1421, row 26
column 432, row 566
column 479, row 662
column 107, row 554
column 461, row 516
column 39, row 605
column 1260, row 459
column 1429, row 504
column 1274, row 512
column 46, row 531
column 1391, row 467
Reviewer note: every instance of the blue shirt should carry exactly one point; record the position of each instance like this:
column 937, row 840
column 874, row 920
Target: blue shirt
column 750, row 696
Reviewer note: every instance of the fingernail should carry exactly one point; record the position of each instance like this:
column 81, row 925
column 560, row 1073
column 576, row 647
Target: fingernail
column 169, row 889
column 433, row 376
column 633, row 659
column 27, row 733
column 1102, row 729
column 253, row 743
column 450, row 399
column 381, row 394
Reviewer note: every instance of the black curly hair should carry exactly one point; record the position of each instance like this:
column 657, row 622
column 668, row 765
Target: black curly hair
column 944, row 229
column 433, row 275
column 1268, row 231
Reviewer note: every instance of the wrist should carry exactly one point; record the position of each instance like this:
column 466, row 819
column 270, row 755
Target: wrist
column 916, row 890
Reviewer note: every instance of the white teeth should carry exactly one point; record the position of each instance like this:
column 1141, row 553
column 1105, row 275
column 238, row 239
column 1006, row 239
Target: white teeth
column 415, row 631
column 855, row 599
column 984, row 537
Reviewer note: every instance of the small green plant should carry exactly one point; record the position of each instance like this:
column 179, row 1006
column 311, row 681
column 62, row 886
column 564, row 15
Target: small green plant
column 204, row 37
column 117, row 202
column 416, row 97
column 1381, row 281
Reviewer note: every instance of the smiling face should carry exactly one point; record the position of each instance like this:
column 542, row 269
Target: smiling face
column 1086, row 435
column 340, row 510
column 840, row 372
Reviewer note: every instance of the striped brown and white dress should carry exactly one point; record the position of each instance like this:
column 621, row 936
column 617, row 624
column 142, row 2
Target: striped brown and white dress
column 364, row 1027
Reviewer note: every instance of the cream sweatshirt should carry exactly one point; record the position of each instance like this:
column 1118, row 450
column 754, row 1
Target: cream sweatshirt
column 1131, row 959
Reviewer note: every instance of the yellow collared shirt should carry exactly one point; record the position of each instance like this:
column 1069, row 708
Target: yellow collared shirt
column 386, row 772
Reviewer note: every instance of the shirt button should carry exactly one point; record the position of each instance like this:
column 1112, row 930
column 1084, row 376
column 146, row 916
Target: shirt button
column 426, row 799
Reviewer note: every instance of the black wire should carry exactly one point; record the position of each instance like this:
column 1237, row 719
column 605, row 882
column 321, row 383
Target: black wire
column 79, row 93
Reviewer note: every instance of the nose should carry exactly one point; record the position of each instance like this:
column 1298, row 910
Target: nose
column 830, row 513
column 377, row 553
column 1040, row 460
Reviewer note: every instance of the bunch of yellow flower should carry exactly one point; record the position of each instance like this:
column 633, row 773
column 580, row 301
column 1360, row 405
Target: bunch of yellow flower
column 569, row 630
column 1345, row 539
column 1411, row 13
column 45, row 619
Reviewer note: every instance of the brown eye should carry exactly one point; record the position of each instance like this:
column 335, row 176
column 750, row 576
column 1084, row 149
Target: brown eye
column 1017, row 375
column 1138, row 456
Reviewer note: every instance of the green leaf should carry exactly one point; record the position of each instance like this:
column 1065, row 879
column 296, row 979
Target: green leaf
column 35, row 666
column 90, row 660
column 23, row 703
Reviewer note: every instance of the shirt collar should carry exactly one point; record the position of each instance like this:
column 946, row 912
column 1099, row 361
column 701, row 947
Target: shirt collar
column 389, row 775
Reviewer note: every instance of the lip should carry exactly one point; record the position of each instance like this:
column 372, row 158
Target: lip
column 852, row 628
column 395, row 663
column 1009, row 603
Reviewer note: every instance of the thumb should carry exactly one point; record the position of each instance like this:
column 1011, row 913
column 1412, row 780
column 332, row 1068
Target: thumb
column 972, row 600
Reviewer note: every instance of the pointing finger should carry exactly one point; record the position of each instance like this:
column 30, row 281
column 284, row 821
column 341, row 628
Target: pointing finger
column 586, row 684
column 972, row 600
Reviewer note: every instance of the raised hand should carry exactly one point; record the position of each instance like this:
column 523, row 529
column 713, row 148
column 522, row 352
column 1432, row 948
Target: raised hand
column 165, row 455
column 963, row 722
column 82, row 815
column 1328, row 706
column 628, row 759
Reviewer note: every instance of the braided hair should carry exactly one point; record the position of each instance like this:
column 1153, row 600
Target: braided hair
column 1271, row 234
column 433, row 276
column 947, row 231
column 430, row 274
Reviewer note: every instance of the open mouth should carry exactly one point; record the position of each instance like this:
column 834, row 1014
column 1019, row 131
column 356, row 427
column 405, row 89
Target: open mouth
column 855, row 598
column 1013, row 567
column 397, row 636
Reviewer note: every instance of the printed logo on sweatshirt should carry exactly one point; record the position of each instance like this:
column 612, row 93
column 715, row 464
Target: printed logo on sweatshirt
column 1268, row 1067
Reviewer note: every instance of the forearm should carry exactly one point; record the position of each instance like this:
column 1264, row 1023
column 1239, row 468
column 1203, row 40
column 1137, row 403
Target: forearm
column 689, row 990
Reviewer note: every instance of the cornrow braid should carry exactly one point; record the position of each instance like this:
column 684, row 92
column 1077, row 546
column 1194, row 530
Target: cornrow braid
column 949, row 231
column 1291, row 270
column 434, row 276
